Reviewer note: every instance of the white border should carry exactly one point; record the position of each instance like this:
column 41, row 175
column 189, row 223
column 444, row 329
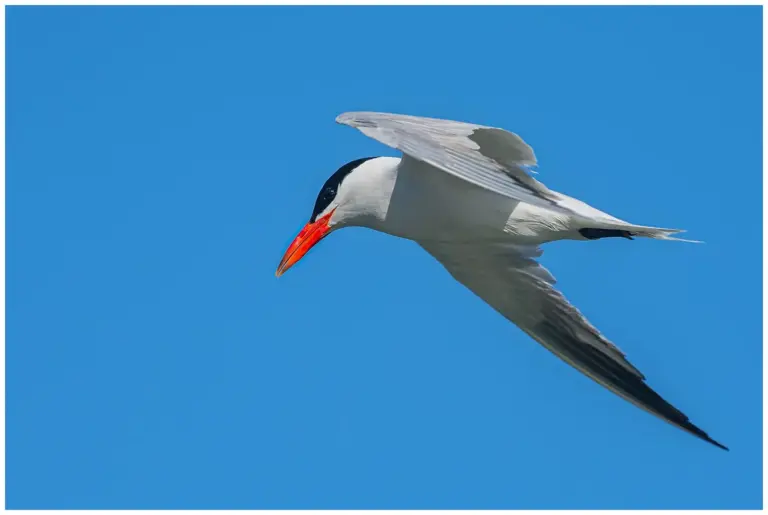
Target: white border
column 2, row 264
column 351, row 2
column 765, row 269
column 394, row 2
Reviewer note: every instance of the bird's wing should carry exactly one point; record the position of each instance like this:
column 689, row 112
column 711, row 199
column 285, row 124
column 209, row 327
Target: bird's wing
column 488, row 157
column 510, row 280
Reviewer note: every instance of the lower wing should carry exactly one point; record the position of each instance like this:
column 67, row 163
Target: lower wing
column 510, row 280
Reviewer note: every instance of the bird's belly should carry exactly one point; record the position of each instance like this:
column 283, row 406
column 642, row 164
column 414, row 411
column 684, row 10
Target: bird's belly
column 429, row 204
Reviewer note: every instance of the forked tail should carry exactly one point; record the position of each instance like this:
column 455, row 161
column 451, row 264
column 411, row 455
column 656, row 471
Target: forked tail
column 630, row 231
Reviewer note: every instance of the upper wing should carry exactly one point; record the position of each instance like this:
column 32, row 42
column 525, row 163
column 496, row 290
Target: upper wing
column 509, row 279
column 488, row 157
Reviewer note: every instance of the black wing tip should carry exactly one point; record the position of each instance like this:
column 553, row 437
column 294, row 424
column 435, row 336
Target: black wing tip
column 612, row 373
column 701, row 434
column 716, row 443
column 596, row 234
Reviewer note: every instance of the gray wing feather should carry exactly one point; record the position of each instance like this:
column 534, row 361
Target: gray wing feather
column 487, row 157
column 510, row 280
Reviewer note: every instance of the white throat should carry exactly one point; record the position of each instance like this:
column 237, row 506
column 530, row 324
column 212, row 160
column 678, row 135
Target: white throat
column 364, row 196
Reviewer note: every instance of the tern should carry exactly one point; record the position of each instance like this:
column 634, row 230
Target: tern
column 466, row 194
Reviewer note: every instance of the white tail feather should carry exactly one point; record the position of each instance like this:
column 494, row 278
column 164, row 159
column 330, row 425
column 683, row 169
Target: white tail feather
column 656, row 233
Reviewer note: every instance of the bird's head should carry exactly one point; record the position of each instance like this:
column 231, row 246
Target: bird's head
column 339, row 203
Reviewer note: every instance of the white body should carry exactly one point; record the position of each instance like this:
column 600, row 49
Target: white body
column 463, row 192
column 413, row 200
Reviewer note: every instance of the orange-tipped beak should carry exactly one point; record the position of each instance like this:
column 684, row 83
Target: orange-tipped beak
column 307, row 238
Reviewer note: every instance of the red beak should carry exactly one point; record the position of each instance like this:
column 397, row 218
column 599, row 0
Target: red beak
column 307, row 238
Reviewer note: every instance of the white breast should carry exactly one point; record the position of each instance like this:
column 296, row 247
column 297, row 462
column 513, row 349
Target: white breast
column 429, row 204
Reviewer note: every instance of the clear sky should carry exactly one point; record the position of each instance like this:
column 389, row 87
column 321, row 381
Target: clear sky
column 160, row 160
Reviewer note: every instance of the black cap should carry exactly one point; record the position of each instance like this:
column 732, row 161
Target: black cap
column 331, row 187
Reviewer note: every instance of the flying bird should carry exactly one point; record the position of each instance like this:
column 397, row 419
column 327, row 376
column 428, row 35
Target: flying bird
column 466, row 194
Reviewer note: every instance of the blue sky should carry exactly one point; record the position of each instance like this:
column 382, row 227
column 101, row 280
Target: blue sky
column 160, row 160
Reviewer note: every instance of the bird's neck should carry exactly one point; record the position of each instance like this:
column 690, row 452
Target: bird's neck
column 369, row 192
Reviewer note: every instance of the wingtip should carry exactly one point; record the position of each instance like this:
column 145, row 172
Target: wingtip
column 718, row 444
column 696, row 431
column 352, row 119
